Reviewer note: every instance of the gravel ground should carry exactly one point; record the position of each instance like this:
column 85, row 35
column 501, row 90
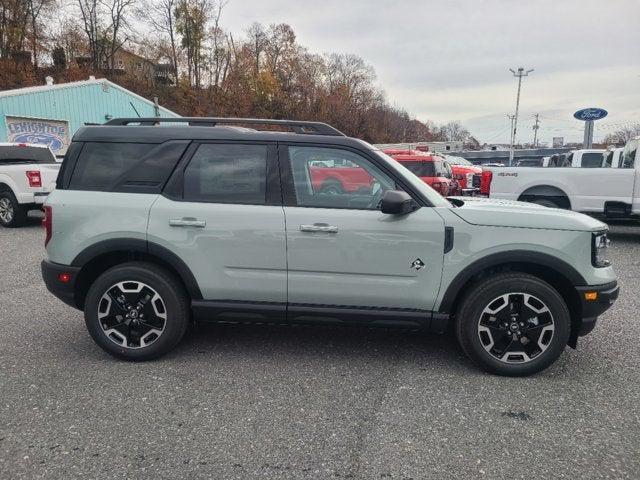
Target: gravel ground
column 307, row 402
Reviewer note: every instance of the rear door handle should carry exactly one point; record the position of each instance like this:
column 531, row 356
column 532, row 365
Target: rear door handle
column 187, row 222
column 319, row 227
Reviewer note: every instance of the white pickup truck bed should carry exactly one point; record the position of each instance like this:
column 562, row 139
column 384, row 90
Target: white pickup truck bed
column 611, row 191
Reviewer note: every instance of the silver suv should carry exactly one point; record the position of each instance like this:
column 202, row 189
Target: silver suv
column 153, row 225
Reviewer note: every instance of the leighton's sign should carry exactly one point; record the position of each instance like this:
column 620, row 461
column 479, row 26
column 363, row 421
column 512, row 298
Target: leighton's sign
column 587, row 114
column 54, row 133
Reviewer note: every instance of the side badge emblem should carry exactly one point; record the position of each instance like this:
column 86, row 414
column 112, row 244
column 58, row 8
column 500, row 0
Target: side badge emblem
column 417, row 264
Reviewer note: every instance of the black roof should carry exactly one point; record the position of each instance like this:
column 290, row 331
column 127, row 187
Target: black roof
column 155, row 130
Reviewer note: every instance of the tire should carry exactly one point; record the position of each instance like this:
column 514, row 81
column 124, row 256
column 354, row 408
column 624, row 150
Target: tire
column 331, row 187
column 156, row 327
column 533, row 344
column 545, row 202
column 12, row 214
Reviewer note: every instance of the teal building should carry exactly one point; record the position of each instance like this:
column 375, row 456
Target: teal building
column 50, row 114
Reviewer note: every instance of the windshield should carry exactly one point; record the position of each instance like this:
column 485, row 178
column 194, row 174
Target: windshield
column 25, row 154
column 421, row 169
column 429, row 193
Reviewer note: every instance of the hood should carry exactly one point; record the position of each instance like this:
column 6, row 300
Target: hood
column 466, row 168
column 508, row 213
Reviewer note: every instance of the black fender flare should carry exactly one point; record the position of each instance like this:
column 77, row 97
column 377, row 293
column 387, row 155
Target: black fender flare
column 505, row 258
column 141, row 246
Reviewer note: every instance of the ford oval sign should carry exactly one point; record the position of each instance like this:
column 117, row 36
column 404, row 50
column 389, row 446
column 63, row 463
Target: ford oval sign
column 587, row 114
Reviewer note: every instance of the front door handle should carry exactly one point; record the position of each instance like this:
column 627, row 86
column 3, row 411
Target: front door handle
column 187, row 222
column 319, row 227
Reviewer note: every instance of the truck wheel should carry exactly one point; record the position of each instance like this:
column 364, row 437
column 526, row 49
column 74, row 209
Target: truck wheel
column 136, row 311
column 12, row 214
column 513, row 324
column 545, row 202
column 331, row 187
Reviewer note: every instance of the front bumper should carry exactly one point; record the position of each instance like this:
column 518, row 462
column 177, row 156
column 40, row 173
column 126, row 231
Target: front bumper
column 595, row 299
column 64, row 290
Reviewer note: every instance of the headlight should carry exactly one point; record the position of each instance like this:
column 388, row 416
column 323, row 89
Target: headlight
column 599, row 247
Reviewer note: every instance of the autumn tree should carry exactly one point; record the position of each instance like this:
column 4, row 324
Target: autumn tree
column 192, row 17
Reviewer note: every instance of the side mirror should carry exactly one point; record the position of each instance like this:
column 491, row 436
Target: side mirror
column 397, row 202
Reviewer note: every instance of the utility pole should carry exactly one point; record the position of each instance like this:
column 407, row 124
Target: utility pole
column 519, row 74
column 511, row 118
column 535, row 127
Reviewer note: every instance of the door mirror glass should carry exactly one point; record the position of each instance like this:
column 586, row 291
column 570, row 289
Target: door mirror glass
column 397, row 202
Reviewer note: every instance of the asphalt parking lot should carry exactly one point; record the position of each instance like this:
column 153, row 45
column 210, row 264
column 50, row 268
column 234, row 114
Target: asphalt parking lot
column 307, row 402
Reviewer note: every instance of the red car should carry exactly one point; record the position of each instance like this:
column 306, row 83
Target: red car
column 339, row 179
column 432, row 169
column 466, row 173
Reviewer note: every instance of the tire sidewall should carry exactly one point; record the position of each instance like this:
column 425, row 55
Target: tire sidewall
column 172, row 295
column 476, row 302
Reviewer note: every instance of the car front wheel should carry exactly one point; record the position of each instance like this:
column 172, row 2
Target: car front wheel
column 136, row 311
column 513, row 324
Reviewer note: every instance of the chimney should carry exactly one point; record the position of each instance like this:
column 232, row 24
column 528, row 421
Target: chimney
column 48, row 80
column 91, row 77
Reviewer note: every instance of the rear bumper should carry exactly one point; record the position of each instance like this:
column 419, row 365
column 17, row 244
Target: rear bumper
column 65, row 291
column 40, row 197
column 605, row 296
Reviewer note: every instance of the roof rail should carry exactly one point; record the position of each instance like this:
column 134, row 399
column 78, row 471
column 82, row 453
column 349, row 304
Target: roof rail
column 301, row 127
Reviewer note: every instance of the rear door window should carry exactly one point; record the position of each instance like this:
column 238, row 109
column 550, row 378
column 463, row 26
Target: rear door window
column 592, row 160
column 421, row 169
column 225, row 173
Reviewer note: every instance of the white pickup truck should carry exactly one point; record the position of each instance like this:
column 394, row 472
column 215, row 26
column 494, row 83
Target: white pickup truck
column 584, row 182
column 28, row 173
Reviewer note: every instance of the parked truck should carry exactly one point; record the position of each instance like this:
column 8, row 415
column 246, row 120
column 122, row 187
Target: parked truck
column 594, row 188
column 28, row 174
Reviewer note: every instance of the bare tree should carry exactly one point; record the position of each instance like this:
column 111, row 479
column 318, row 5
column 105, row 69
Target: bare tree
column 117, row 10
column 91, row 27
column 161, row 14
column 623, row 135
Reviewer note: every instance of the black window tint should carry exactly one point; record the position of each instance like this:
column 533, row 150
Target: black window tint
column 227, row 174
column 152, row 171
column 69, row 161
column 101, row 164
column 421, row 169
column 591, row 160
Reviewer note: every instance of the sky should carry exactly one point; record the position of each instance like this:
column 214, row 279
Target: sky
column 449, row 59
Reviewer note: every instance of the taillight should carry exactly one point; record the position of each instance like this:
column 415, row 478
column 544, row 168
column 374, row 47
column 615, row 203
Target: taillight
column 485, row 184
column 47, row 223
column 34, row 178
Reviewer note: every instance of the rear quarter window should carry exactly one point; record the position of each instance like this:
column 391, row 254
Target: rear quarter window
column 125, row 167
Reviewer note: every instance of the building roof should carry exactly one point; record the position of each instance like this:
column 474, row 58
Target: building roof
column 81, row 83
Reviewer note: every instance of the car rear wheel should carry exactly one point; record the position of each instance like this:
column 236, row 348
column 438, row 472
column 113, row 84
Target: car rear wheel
column 513, row 324
column 12, row 214
column 136, row 311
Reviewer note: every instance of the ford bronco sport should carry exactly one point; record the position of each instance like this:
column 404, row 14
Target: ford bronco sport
column 153, row 225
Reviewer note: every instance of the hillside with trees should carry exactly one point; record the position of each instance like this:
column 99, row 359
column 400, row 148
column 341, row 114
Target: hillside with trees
column 201, row 69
